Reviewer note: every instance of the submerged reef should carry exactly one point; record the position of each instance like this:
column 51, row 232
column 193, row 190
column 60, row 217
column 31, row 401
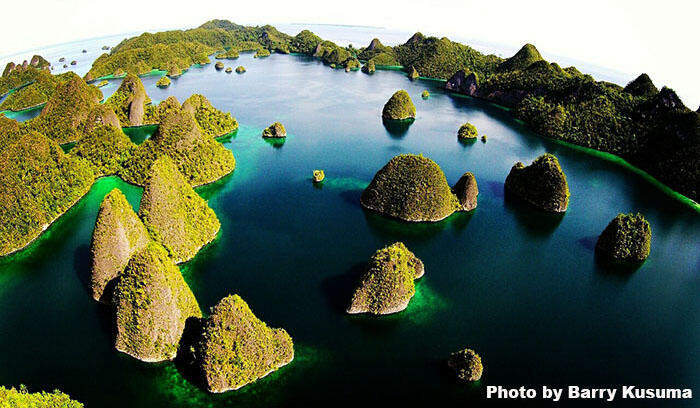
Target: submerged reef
column 388, row 283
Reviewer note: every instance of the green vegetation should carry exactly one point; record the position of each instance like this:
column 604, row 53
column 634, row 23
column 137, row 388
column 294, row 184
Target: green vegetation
column 483, row 138
column 237, row 348
column 467, row 131
column 425, row 94
column 375, row 48
column 152, row 303
column 466, row 364
column 219, row 65
column 526, row 56
column 412, row 73
column 466, row 191
column 129, row 101
column 212, row 122
column 275, row 130
column 230, row 54
column 352, row 64
column 102, row 83
column 99, row 115
column 163, row 82
column 542, row 183
column 118, row 234
column 305, row 43
column 36, row 91
column 38, row 183
column 399, row 107
column 13, row 398
column 642, row 86
column 106, row 147
column 388, row 284
column 626, row 238
column 319, row 176
column 67, row 110
column 440, row 58
column 17, row 75
column 262, row 53
column 200, row 158
column 410, row 188
column 240, row 69
column 175, row 214
column 9, row 132
column 369, row 67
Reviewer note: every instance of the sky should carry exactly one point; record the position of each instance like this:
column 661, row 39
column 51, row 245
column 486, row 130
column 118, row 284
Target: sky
column 659, row 38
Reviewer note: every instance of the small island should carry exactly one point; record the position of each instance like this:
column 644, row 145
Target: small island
column 413, row 73
column 411, row 188
column 118, row 234
column 228, row 70
column 129, row 101
column 102, row 83
column 262, row 52
column 388, row 283
column 466, row 191
column 318, row 176
column 626, row 238
column 163, row 82
column 152, row 303
column 240, row 69
column 275, row 130
column 238, row 348
column 369, row 67
column 181, row 219
column 542, row 184
column 13, row 398
column 399, row 107
column 219, row 65
column 466, row 364
column 425, row 94
column 467, row 131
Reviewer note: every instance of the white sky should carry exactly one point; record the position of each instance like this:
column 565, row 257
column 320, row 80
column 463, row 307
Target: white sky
column 660, row 37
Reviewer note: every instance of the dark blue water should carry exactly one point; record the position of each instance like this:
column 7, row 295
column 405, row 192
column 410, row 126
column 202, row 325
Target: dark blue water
column 522, row 288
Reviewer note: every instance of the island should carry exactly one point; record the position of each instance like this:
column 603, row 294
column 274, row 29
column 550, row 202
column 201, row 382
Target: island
column 262, row 52
column 129, row 101
column 104, row 146
column 152, row 303
column 229, row 70
column 425, row 94
column 387, row 285
column 219, row 65
column 275, row 130
column 38, row 183
column 541, row 184
column 466, row 191
column 318, row 176
column 627, row 238
column 240, row 69
column 179, row 218
column 118, row 235
column 411, row 188
column 212, row 122
column 230, row 54
column 163, row 82
column 238, row 348
column 466, row 364
column 12, row 397
column 399, row 107
column 467, row 131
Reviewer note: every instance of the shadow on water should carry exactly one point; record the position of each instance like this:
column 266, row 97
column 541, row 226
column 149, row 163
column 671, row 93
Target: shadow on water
column 185, row 361
column 351, row 197
column 588, row 243
column 535, row 222
column 615, row 269
column 496, row 188
column 397, row 128
column 81, row 264
column 393, row 229
column 339, row 288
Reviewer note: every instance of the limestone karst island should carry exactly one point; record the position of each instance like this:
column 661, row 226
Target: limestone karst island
column 282, row 205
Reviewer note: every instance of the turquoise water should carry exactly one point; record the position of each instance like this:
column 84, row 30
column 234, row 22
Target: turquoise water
column 522, row 288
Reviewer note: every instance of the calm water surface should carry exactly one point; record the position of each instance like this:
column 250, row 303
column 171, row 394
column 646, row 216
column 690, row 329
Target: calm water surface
column 521, row 287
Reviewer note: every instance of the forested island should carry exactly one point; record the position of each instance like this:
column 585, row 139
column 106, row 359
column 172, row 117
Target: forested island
column 136, row 255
